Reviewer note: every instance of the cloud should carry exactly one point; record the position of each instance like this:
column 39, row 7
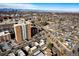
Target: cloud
column 18, row 6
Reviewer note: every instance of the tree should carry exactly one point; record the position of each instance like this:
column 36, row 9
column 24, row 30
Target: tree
column 50, row 45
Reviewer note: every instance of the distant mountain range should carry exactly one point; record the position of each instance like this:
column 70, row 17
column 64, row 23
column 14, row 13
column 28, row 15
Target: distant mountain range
column 10, row 9
column 27, row 10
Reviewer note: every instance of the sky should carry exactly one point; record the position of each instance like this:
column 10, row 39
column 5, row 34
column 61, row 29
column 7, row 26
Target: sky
column 69, row 7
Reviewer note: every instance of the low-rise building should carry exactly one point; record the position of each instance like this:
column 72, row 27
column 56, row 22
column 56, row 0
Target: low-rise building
column 20, row 52
column 11, row 54
column 4, row 36
column 36, row 44
column 47, row 52
column 27, row 48
column 42, row 44
column 33, row 50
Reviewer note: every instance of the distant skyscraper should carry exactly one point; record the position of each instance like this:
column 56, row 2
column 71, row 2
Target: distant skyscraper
column 22, row 31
